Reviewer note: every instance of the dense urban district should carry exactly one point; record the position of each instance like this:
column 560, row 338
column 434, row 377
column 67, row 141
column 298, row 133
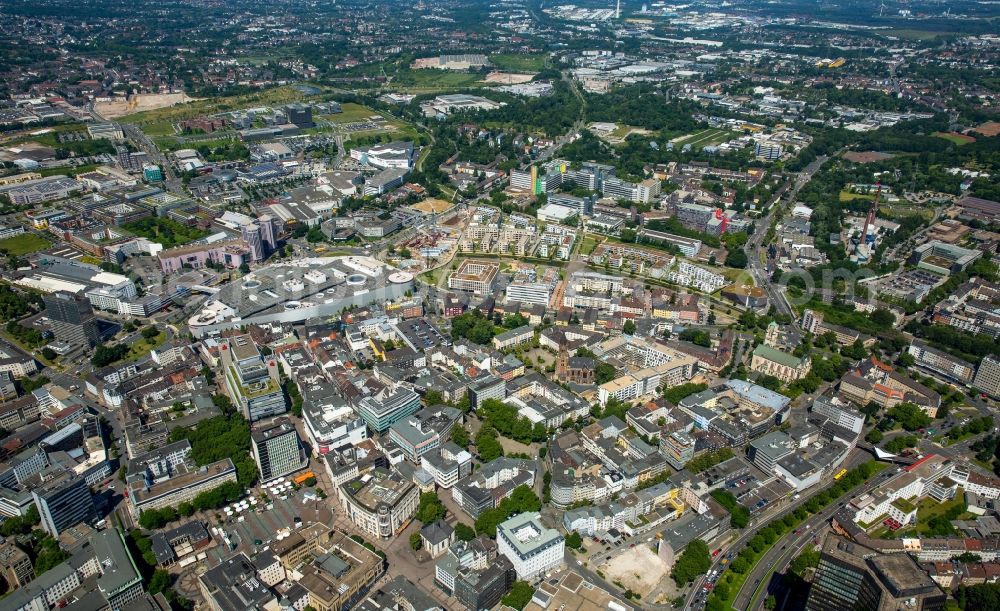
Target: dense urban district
column 499, row 304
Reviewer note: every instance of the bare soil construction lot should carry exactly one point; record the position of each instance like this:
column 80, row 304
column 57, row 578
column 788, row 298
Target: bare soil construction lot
column 139, row 103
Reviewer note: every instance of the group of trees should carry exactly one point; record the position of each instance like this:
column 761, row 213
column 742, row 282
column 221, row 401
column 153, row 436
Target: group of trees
column 708, row 460
column 210, row 499
column 898, row 444
column 674, row 394
column 473, row 326
column 964, row 345
column 980, row 597
column 105, row 355
column 973, row 427
column 519, row 596
column 294, row 396
column 15, row 305
column 504, row 418
column 487, row 445
column 739, row 516
column 522, row 499
column 695, row 561
column 430, row 508
column 910, row 416
column 221, row 437
column 166, row 231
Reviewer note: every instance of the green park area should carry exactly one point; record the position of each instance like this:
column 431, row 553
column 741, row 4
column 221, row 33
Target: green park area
column 848, row 196
column 426, row 80
column 956, row 139
column 23, row 244
column 352, row 113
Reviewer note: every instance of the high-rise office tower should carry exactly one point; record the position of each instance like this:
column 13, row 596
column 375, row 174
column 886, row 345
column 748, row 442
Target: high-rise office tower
column 62, row 502
column 252, row 236
column 71, row 318
column 276, row 449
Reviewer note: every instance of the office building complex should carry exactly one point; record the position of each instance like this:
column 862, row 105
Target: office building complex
column 276, row 449
column 63, row 502
column 252, row 384
column 851, row 576
column 380, row 502
column 99, row 575
column 380, row 412
column 531, row 547
column 71, row 318
column 941, row 363
column 988, row 376
column 474, row 276
column 15, row 565
column 678, row 447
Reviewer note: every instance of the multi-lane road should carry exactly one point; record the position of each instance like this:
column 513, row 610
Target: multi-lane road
column 755, row 245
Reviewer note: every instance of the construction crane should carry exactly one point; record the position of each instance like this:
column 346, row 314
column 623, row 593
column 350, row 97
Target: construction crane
column 870, row 219
column 862, row 248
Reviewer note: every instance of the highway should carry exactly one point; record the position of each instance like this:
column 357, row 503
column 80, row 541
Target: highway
column 755, row 244
column 774, row 511
column 778, row 558
column 786, row 547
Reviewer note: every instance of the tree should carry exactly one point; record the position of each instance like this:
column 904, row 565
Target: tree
column 574, row 540
column 464, row 532
column 47, row 552
column 883, row 318
column 604, row 372
column 430, row 508
column 910, row 416
column 519, row 596
column 874, row 436
column 416, row 542
column 473, row 326
column 460, row 436
column 629, row 327
column 736, row 259
column 487, row 445
column 159, row 582
column 806, row 560
column 770, row 602
column 695, row 561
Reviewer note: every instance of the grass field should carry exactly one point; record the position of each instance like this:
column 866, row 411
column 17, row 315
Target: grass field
column 24, row 244
column 159, row 128
column 588, row 245
column 915, row 34
column 519, row 63
column 707, row 137
column 142, row 347
column 429, row 79
column 352, row 114
column 956, row 139
column 847, row 196
column 269, row 97
column 70, row 170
